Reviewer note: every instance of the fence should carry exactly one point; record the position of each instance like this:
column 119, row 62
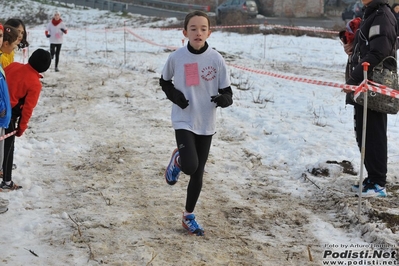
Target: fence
column 129, row 7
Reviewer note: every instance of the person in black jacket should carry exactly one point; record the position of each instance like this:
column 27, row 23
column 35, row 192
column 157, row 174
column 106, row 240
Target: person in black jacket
column 395, row 10
column 374, row 41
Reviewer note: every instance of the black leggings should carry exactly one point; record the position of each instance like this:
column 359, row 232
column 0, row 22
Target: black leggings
column 55, row 49
column 194, row 151
column 376, row 150
column 9, row 152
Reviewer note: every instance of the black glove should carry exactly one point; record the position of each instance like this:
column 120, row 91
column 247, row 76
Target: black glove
column 3, row 113
column 342, row 36
column 64, row 31
column 224, row 98
column 180, row 99
column 176, row 96
column 48, row 35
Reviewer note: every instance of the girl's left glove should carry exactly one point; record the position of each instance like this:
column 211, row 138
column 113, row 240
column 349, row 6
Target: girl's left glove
column 224, row 98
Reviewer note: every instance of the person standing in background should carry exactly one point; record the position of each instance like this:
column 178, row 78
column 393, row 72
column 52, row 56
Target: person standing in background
column 5, row 116
column 10, row 42
column 374, row 40
column 24, row 87
column 22, row 43
column 54, row 31
column 395, row 11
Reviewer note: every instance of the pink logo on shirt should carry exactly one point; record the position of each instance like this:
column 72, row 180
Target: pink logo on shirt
column 208, row 73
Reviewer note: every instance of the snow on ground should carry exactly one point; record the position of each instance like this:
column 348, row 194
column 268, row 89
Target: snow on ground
column 91, row 163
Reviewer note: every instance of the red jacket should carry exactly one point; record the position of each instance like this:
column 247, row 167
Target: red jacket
column 23, row 80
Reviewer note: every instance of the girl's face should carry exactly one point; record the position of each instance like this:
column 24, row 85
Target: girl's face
column 396, row 9
column 1, row 38
column 56, row 16
column 197, row 32
column 9, row 47
column 21, row 33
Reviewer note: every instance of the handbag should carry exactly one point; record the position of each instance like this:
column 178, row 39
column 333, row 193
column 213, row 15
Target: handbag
column 377, row 101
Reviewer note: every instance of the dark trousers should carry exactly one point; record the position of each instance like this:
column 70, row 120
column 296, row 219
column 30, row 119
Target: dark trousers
column 194, row 151
column 376, row 150
column 55, row 49
column 9, row 152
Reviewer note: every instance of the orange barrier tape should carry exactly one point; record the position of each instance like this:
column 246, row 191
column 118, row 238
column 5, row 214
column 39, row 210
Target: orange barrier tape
column 150, row 42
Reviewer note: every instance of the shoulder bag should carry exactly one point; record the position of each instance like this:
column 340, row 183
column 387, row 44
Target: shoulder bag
column 377, row 101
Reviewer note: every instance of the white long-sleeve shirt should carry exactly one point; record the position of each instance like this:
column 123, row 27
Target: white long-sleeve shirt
column 198, row 77
column 56, row 35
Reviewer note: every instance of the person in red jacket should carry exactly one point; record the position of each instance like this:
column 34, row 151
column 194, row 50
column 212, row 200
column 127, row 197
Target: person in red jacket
column 24, row 87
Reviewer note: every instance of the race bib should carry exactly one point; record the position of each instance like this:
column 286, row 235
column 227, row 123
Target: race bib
column 191, row 73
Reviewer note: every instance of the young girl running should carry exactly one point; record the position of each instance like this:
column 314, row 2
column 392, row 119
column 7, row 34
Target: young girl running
column 54, row 31
column 200, row 84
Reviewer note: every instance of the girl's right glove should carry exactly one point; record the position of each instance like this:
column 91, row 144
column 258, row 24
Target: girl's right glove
column 176, row 96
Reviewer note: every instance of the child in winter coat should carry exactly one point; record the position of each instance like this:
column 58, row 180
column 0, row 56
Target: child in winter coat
column 54, row 31
column 347, row 37
column 24, row 88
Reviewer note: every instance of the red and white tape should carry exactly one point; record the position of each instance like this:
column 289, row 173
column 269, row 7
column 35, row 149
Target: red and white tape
column 378, row 88
column 308, row 29
column 302, row 29
column 300, row 79
column 365, row 85
column 150, row 42
column 8, row 135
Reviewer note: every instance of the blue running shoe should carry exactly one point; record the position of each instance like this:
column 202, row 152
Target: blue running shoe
column 373, row 190
column 172, row 172
column 355, row 188
column 191, row 225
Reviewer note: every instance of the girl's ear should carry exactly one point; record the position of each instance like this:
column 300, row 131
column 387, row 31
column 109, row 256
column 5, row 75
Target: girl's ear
column 185, row 33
